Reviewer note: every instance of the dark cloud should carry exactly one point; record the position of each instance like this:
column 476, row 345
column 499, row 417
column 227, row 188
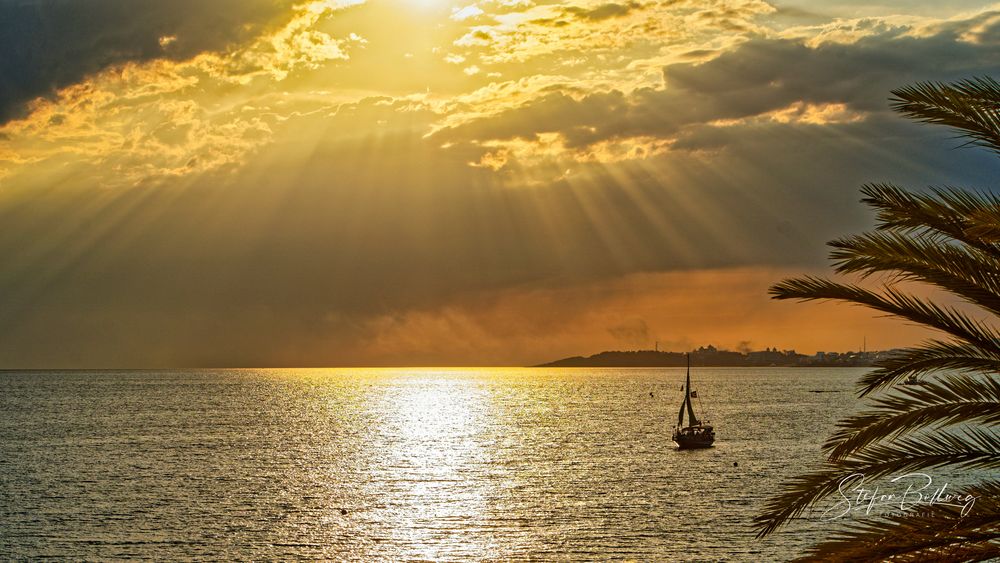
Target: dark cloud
column 604, row 11
column 697, row 54
column 766, row 74
column 49, row 44
column 633, row 332
column 759, row 76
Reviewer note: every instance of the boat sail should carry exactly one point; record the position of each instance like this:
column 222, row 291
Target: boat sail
column 697, row 434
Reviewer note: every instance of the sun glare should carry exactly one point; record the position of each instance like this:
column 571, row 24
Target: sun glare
column 440, row 420
column 427, row 6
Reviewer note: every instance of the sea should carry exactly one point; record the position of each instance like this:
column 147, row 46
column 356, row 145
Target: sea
column 423, row 464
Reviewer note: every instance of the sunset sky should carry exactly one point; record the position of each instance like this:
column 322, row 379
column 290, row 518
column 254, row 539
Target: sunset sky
column 423, row 182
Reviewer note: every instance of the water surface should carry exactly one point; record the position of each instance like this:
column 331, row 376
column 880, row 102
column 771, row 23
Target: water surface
column 404, row 464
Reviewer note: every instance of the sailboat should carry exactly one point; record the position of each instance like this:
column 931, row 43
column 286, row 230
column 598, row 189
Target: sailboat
column 697, row 434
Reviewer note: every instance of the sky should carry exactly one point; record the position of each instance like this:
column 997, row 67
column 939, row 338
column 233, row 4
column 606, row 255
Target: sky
column 427, row 182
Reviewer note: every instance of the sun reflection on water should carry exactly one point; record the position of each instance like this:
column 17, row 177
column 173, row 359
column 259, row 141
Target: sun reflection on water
column 435, row 459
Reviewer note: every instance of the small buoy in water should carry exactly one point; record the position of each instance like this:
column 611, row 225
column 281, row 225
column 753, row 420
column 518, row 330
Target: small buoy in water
column 736, row 464
column 650, row 393
column 343, row 511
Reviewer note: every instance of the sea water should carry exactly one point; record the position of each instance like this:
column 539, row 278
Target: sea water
column 405, row 464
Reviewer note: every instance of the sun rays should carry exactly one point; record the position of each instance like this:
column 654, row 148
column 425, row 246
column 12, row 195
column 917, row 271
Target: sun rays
column 326, row 174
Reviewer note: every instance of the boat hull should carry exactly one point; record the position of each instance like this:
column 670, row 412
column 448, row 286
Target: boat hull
column 693, row 437
column 693, row 444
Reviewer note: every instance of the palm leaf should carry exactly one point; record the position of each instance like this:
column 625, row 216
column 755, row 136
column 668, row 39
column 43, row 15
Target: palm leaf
column 985, row 225
column 943, row 214
column 971, row 449
column 969, row 106
column 963, row 399
column 893, row 302
column 959, row 270
column 948, row 239
column 938, row 533
column 933, row 356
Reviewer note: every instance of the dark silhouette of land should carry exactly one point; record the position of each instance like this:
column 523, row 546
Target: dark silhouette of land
column 710, row 356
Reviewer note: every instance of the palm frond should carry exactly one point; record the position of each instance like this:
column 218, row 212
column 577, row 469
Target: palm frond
column 948, row 239
column 942, row 214
column 963, row 399
column 893, row 302
column 939, row 533
column 972, row 448
column 985, row 225
column 970, row 106
column 931, row 357
column 959, row 270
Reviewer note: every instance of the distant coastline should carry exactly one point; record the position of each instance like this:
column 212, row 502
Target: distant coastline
column 710, row 356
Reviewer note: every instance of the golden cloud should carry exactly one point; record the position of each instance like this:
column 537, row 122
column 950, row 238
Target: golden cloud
column 143, row 121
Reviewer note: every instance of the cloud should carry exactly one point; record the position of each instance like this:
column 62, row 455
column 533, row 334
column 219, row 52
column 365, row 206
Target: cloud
column 50, row 45
column 632, row 332
column 153, row 120
column 459, row 14
column 604, row 11
column 784, row 80
column 620, row 33
column 509, row 326
column 682, row 310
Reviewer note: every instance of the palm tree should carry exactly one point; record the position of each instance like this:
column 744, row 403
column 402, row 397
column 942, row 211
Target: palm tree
column 946, row 239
